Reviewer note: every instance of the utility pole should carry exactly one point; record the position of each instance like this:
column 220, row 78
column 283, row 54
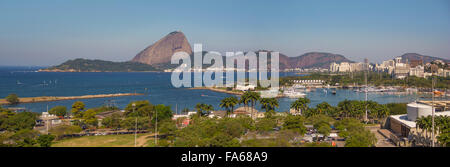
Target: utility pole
column 135, row 128
column 156, row 129
column 47, row 119
column 135, row 133
column 432, row 111
column 366, row 69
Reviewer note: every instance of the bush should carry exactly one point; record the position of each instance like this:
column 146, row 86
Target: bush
column 396, row 108
column 18, row 121
column 265, row 124
column 45, row 140
column 295, row 123
column 60, row 131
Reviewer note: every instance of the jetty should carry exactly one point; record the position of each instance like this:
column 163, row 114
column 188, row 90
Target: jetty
column 58, row 98
column 234, row 92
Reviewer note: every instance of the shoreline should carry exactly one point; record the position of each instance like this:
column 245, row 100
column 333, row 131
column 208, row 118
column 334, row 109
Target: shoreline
column 59, row 98
column 217, row 90
column 73, row 71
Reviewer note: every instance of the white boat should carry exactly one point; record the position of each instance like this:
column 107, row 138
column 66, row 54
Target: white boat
column 294, row 94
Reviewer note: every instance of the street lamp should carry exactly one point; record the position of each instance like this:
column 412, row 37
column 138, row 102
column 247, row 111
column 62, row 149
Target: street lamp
column 156, row 128
column 135, row 128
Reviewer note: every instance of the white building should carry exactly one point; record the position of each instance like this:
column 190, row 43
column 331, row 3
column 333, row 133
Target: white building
column 404, row 124
column 417, row 71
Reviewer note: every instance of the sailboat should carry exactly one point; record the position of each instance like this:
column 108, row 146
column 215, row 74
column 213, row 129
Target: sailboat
column 19, row 83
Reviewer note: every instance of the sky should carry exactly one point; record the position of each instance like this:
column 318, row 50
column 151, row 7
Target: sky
column 49, row 32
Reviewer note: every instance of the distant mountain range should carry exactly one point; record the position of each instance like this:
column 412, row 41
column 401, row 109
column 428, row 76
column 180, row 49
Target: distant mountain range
column 425, row 59
column 157, row 56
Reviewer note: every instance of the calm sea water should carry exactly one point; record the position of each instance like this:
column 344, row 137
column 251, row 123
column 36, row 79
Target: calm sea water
column 27, row 83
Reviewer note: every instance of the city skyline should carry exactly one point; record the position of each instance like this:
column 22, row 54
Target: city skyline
column 51, row 32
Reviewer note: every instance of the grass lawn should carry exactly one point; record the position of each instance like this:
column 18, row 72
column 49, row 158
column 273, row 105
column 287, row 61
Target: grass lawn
column 104, row 141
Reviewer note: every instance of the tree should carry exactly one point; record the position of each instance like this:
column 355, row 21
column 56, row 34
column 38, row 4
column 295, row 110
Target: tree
column 60, row 131
column 344, row 108
column 19, row 121
column 269, row 104
column 322, row 123
column 141, row 109
column 25, row 138
column 89, row 118
column 444, row 138
column 209, row 132
column 59, row 111
column 112, row 121
column 326, row 109
column 77, row 109
column 45, row 140
column 362, row 138
column 253, row 97
column 301, row 104
column 229, row 103
column 129, row 123
column 295, row 123
column 203, row 109
column 168, row 128
column 396, row 108
column 12, row 99
column 164, row 113
column 355, row 134
column 265, row 124
column 245, row 99
column 379, row 111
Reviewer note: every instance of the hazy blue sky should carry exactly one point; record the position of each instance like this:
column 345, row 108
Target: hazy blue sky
column 38, row 32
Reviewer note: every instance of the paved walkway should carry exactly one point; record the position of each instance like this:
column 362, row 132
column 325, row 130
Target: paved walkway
column 382, row 141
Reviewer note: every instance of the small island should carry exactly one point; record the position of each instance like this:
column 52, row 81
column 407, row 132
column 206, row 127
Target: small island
column 86, row 65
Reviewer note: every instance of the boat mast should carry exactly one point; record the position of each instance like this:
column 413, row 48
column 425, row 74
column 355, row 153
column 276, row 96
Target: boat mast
column 432, row 111
column 365, row 80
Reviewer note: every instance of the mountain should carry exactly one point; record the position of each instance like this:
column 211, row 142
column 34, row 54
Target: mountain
column 426, row 59
column 310, row 60
column 315, row 60
column 162, row 50
column 307, row 60
column 86, row 65
column 157, row 56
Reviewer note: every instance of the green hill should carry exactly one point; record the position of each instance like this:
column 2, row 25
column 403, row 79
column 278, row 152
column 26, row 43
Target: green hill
column 86, row 65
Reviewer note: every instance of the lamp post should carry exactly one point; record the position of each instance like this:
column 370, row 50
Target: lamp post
column 432, row 112
column 135, row 128
column 156, row 128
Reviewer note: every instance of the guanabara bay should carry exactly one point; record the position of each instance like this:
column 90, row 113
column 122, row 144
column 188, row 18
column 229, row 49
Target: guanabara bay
column 189, row 74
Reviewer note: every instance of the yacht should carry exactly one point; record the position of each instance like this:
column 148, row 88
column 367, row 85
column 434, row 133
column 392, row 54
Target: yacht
column 294, row 94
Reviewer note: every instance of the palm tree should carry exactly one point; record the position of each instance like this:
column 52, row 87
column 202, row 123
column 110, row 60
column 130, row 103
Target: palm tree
column 253, row 98
column 208, row 108
column 202, row 108
column 379, row 111
column 229, row 103
column 245, row 99
column 269, row 104
column 301, row 104
column 325, row 107
column 345, row 107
